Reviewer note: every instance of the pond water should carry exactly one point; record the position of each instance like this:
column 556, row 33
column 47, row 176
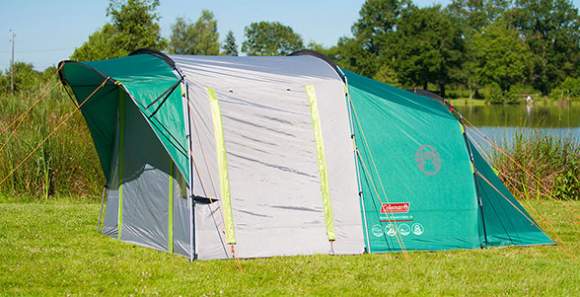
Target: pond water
column 501, row 123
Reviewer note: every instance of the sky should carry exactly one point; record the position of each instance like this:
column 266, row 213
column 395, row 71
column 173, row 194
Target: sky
column 49, row 31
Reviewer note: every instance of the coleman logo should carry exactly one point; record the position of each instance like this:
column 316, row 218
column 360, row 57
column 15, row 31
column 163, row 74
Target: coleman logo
column 396, row 207
column 428, row 160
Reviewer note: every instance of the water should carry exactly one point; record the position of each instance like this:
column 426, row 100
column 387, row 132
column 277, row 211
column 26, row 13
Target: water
column 501, row 123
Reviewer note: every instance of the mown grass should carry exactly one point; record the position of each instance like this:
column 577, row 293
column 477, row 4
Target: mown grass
column 52, row 249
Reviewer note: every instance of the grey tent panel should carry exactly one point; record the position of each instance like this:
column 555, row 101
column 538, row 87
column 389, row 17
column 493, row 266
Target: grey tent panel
column 271, row 151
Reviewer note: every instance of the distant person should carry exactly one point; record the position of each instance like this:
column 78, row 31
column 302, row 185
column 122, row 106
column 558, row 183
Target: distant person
column 529, row 100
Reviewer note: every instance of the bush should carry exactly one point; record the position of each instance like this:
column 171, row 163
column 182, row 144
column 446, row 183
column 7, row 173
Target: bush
column 495, row 95
column 569, row 89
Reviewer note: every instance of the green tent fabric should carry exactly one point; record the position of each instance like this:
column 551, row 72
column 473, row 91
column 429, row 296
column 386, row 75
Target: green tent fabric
column 418, row 187
column 412, row 150
column 506, row 221
column 151, row 83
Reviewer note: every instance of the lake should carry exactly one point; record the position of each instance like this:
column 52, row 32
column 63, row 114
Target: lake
column 501, row 123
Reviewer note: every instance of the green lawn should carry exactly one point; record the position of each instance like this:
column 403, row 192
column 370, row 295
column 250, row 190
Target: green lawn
column 52, row 248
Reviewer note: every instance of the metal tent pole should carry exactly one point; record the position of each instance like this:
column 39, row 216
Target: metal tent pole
column 191, row 204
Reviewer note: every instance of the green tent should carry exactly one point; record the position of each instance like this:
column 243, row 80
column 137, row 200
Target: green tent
column 260, row 153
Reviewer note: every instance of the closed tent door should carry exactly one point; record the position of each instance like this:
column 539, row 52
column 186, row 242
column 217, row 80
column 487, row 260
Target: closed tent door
column 417, row 185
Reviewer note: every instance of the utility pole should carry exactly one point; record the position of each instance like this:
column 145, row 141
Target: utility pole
column 12, row 35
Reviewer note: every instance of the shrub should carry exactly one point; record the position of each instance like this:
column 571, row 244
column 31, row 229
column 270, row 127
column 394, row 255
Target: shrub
column 569, row 89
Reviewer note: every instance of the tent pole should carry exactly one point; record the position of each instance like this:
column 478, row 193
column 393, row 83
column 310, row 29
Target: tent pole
column 479, row 200
column 191, row 204
column 356, row 160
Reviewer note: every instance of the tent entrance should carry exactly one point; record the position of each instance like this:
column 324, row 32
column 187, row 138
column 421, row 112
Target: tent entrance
column 146, row 195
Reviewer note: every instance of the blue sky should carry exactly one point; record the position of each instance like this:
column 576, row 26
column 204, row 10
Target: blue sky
column 48, row 31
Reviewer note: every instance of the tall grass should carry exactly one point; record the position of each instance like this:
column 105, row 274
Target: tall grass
column 66, row 164
column 541, row 166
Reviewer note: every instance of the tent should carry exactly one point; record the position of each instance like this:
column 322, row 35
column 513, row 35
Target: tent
column 219, row 157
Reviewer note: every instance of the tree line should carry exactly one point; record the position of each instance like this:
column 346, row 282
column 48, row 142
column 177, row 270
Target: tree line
column 504, row 47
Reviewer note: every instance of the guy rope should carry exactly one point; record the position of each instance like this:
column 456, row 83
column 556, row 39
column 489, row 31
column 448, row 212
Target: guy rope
column 58, row 126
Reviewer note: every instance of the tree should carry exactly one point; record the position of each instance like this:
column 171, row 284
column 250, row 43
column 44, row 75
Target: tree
column 349, row 54
column 200, row 38
column 427, row 48
column 134, row 24
column 476, row 14
column 569, row 88
column 552, row 31
column 181, row 40
column 206, row 34
column 473, row 16
column 503, row 56
column 270, row 39
column 376, row 19
column 25, row 77
column 230, row 48
column 99, row 46
column 369, row 47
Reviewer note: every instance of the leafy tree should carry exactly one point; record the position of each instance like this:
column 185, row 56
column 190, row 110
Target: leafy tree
column 200, row 38
column 270, row 39
column 99, row 46
column 369, row 47
column 476, row 14
column 230, row 48
column 317, row 47
column 387, row 75
column 206, row 34
column 427, row 48
column 569, row 88
column 503, row 57
column 134, row 24
column 25, row 77
column 329, row 52
column 552, row 31
column 473, row 16
column 49, row 74
column 468, row 75
column 181, row 40
column 378, row 18
column 350, row 54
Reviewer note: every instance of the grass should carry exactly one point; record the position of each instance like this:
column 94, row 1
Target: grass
column 52, row 249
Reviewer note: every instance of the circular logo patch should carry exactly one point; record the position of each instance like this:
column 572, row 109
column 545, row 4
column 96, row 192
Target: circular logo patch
column 417, row 229
column 404, row 229
column 390, row 230
column 428, row 160
column 377, row 230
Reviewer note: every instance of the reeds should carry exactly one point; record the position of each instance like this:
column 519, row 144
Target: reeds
column 66, row 164
column 549, row 166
